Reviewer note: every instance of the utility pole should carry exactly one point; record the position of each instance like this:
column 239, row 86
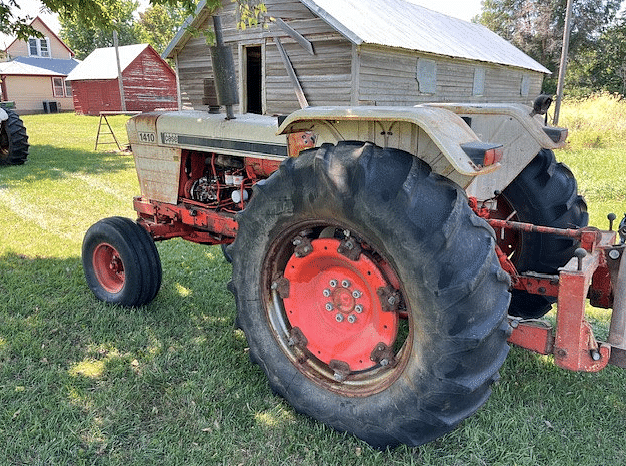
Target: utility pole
column 119, row 71
column 563, row 67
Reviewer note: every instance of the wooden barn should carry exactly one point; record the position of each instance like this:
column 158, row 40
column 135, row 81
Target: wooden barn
column 355, row 52
column 149, row 82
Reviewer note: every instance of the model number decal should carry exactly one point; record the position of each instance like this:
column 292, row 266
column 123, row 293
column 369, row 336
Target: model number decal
column 147, row 137
column 169, row 138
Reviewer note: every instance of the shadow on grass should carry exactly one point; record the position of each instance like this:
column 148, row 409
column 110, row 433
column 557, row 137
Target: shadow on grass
column 46, row 162
column 171, row 383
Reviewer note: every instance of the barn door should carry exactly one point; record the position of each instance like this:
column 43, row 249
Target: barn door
column 252, row 61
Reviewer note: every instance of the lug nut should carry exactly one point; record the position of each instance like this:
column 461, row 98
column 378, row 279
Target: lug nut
column 339, row 317
column 391, row 300
column 326, row 293
column 333, row 283
column 329, row 306
column 345, row 284
column 358, row 308
column 356, row 294
column 352, row 318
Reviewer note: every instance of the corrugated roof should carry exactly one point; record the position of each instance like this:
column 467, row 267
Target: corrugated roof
column 397, row 23
column 51, row 64
column 16, row 68
column 101, row 63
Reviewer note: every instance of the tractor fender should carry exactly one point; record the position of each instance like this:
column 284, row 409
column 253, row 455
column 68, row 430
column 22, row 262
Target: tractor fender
column 435, row 135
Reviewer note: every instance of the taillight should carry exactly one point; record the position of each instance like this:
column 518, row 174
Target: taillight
column 483, row 153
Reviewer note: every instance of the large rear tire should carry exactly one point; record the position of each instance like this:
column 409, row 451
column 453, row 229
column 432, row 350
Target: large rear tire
column 13, row 140
column 370, row 294
column 544, row 193
column 121, row 262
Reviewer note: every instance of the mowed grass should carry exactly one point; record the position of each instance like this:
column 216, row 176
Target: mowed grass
column 84, row 383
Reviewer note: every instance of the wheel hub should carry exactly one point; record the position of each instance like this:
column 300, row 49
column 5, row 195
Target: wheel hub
column 333, row 301
column 109, row 268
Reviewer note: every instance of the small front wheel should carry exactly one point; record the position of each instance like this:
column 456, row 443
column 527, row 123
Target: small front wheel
column 121, row 262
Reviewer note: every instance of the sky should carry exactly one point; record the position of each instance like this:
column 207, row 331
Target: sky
column 462, row 9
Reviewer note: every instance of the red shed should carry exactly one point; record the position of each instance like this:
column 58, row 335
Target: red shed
column 149, row 82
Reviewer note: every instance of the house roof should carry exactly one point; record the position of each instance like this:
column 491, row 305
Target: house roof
column 17, row 68
column 400, row 24
column 102, row 64
column 57, row 65
column 10, row 40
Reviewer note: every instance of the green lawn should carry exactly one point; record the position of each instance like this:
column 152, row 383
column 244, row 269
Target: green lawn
column 85, row 383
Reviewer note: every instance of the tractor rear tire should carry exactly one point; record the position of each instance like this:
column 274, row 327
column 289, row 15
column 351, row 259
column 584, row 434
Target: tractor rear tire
column 121, row 262
column 370, row 294
column 545, row 193
column 13, row 140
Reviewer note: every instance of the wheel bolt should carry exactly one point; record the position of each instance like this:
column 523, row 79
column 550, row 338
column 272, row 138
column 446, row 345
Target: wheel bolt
column 333, row 283
column 352, row 318
column 329, row 306
column 358, row 308
column 326, row 293
column 391, row 300
column 345, row 284
column 339, row 317
column 356, row 294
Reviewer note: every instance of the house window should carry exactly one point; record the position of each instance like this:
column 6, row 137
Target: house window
column 68, row 88
column 57, row 87
column 39, row 47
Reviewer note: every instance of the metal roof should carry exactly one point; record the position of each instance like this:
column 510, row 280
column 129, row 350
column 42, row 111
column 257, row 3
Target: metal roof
column 57, row 65
column 101, row 63
column 397, row 23
column 17, row 68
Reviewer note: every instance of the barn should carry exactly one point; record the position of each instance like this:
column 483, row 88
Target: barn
column 354, row 52
column 149, row 82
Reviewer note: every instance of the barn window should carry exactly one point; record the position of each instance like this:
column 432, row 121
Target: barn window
column 525, row 86
column 479, row 82
column 427, row 76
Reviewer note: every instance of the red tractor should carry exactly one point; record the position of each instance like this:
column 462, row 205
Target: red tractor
column 382, row 256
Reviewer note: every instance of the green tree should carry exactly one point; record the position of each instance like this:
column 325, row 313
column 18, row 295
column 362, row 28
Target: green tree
column 83, row 37
column 158, row 25
column 536, row 27
column 100, row 14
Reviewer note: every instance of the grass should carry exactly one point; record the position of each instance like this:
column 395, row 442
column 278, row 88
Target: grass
column 84, row 383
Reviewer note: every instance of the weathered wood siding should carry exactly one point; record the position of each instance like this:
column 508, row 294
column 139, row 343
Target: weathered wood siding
column 149, row 84
column 341, row 73
column 389, row 77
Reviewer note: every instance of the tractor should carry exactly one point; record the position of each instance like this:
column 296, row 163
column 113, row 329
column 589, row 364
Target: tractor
column 13, row 137
column 383, row 258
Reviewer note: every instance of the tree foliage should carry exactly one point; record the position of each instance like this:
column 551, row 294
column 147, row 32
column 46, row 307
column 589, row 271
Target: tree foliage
column 158, row 25
column 536, row 27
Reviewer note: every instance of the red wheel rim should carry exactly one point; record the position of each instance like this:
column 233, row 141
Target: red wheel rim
column 109, row 268
column 334, row 302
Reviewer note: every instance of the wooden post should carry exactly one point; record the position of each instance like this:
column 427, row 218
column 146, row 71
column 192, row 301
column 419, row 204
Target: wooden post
column 563, row 67
column 119, row 72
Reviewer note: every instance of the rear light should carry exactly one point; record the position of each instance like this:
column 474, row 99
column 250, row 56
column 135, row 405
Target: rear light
column 558, row 135
column 483, row 153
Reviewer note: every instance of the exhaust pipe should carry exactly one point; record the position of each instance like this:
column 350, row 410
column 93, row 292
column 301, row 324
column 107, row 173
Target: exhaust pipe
column 224, row 71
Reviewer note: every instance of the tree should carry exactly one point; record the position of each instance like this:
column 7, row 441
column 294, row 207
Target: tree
column 98, row 14
column 536, row 27
column 83, row 37
column 158, row 25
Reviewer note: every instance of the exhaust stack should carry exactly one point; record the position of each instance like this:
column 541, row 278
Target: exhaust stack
column 224, row 71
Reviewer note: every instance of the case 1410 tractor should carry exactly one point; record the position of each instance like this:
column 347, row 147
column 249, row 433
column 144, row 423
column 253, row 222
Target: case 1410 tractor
column 382, row 256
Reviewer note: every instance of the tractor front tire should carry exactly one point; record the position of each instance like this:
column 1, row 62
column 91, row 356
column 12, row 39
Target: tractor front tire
column 545, row 193
column 13, row 140
column 370, row 294
column 121, row 262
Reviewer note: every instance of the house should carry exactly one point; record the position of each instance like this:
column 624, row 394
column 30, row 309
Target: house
column 354, row 52
column 34, row 74
column 149, row 82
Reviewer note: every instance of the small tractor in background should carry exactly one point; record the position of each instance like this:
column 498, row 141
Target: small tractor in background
column 13, row 137
column 382, row 256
